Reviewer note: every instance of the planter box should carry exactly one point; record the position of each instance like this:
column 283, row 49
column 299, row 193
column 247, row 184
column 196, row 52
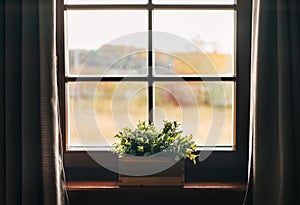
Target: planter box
column 145, row 171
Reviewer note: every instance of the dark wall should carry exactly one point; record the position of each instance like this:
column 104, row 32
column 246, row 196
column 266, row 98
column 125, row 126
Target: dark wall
column 157, row 196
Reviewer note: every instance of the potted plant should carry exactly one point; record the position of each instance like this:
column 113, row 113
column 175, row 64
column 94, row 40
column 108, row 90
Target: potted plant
column 149, row 156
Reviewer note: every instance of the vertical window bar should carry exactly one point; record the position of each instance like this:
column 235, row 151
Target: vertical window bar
column 150, row 63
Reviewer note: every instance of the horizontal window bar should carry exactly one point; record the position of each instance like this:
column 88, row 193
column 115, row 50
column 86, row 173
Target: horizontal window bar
column 109, row 148
column 152, row 79
column 99, row 7
column 147, row 6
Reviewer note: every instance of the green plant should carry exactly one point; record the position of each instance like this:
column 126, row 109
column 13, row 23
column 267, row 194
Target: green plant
column 147, row 140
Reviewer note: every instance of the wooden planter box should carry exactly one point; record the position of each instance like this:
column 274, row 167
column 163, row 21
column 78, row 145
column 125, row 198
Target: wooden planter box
column 145, row 171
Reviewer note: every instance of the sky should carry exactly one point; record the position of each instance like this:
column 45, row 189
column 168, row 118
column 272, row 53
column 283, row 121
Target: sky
column 92, row 29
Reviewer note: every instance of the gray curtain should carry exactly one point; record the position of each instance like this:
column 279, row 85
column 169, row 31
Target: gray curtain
column 275, row 102
column 31, row 168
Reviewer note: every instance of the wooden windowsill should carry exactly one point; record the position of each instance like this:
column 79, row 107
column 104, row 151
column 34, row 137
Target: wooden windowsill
column 100, row 185
column 97, row 192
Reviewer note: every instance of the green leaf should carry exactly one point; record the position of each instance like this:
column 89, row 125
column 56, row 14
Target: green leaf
column 146, row 140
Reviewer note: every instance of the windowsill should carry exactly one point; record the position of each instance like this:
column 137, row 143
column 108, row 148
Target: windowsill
column 101, row 185
column 99, row 192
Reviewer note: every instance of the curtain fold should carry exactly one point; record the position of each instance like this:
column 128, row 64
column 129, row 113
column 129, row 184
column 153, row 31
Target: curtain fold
column 12, row 102
column 275, row 102
column 52, row 150
column 31, row 162
column 2, row 102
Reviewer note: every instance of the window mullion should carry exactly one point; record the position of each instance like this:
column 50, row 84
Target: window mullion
column 150, row 64
column 148, row 79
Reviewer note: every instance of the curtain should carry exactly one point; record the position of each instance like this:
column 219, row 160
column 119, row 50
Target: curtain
column 275, row 101
column 31, row 162
column 2, row 108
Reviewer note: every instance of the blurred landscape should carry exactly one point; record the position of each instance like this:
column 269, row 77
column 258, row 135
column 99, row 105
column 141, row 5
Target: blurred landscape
column 130, row 60
column 98, row 110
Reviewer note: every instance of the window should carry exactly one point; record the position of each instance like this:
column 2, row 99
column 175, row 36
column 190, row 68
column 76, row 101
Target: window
column 124, row 61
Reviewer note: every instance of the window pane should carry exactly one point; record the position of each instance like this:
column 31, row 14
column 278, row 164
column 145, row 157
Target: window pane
column 106, row 1
column 98, row 42
column 193, row 1
column 98, row 110
column 205, row 109
column 194, row 42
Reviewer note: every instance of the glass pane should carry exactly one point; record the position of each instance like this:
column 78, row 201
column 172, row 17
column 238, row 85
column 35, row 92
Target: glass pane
column 193, row 1
column 204, row 109
column 106, row 42
column 97, row 111
column 194, row 42
column 106, row 1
